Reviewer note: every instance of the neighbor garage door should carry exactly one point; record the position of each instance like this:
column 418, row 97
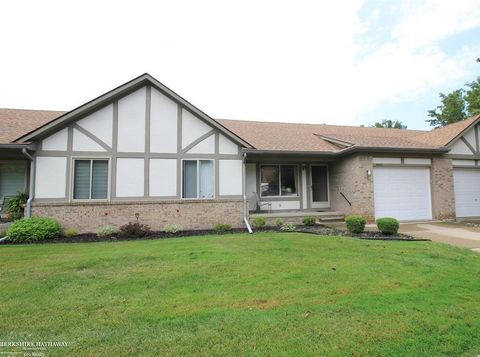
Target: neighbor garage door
column 467, row 192
column 402, row 193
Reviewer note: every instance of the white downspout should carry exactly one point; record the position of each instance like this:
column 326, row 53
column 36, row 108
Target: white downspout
column 245, row 204
column 31, row 191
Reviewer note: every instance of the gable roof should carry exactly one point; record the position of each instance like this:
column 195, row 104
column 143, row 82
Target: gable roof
column 15, row 123
column 271, row 136
column 107, row 98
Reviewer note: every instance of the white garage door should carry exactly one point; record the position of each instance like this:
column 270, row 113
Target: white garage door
column 467, row 192
column 402, row 193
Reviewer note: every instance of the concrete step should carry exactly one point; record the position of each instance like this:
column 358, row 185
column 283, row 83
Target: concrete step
column 337, row 218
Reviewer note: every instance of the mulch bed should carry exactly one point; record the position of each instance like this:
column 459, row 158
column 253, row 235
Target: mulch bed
column 317, row 230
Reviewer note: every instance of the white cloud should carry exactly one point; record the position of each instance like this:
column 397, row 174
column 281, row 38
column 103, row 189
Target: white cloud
column 273, row 60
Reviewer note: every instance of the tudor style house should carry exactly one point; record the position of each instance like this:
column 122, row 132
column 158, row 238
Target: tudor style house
column 143, row 151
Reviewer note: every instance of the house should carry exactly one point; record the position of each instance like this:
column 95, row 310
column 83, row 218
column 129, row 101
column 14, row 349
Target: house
column 141, row 150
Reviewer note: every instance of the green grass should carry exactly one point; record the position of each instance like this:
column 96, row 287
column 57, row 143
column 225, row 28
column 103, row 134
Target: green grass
column 266, row 294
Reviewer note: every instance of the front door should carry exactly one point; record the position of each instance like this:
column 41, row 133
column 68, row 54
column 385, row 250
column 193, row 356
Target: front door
column 319, row 186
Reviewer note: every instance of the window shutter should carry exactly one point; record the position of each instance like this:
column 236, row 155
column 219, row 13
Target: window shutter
column 81, row 189
column 100, row 179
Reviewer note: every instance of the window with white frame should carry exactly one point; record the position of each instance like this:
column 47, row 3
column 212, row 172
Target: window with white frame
column 278, row 180
column 90, row 179
column 198, row 179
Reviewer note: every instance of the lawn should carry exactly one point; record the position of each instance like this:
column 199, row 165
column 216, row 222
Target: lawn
column 266, row 294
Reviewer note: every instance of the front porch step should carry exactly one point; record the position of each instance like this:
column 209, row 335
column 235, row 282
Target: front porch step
column 297, row 216
column 339, row 218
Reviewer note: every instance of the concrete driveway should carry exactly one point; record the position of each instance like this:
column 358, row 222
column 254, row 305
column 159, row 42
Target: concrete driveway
column 463, row 234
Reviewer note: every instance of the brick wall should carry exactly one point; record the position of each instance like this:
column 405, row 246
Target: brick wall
column 443, row 194
column 349, row 175
column 198, row 214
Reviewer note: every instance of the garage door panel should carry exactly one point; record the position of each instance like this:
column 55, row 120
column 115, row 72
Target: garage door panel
column 467, row 192
column 402, row 193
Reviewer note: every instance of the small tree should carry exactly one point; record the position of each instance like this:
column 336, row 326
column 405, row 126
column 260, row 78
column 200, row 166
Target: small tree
column 390, row 124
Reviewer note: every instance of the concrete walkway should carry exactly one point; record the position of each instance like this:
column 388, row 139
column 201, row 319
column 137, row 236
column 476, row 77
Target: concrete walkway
column 459, row 234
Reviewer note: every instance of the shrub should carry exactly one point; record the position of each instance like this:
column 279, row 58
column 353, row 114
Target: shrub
column 388, row 225
column 107, row 231
column 223, row 227
column 309, row 220
column 15, row 205
column 288, row 227
column 279, row 222
column 70, row 232
column 34, row 229
column 172, row 228
column 259, row 222
column 355, row 223
column 134, row 230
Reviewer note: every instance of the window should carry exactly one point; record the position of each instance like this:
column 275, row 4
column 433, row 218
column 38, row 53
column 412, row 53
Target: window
column 198, row 179
column 90, row 179
column 278, row 180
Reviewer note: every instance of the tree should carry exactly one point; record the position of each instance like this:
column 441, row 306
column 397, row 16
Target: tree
column 457, row 105
column 391, row 124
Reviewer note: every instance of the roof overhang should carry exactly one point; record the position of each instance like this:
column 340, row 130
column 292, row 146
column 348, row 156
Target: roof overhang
column 119, row 92
column 28, row 146
column 349, row 150
column 459, row 135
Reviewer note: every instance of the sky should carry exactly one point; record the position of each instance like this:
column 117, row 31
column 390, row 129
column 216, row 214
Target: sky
column 348, row 62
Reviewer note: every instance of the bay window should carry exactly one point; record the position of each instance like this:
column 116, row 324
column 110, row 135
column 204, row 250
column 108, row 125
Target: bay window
column 90, row 179
column 278, row 180
column 198, row 179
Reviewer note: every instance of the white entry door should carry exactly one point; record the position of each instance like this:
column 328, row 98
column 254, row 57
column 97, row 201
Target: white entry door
column 467, row 192
column 402, row 193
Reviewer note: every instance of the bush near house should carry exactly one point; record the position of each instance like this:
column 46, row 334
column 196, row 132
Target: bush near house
column 388, row 225
column 70, row 232
column 355, row 223
column 259, row 222
column 288, row 227
column 172, row 228
column 33, row 229
column 107, row 231
column 279, row 222
column 309, row 220
column 15, row 205
column 134, row 230
column 223, row 227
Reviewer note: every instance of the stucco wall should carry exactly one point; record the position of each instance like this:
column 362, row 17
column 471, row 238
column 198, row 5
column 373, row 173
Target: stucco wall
column 349, row 176
column 190, row 214
column 443, row 194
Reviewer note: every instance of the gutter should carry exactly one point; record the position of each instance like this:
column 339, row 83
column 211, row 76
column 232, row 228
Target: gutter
column 245, row 204
column 31, row 191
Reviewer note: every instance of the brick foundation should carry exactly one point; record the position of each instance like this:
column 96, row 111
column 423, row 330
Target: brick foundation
column 198, row 214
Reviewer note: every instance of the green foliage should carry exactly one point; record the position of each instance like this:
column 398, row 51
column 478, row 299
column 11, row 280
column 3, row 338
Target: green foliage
column 172, row 228
column 70, row 232
column 33, row 229
column 279, row 222
column 107, row 231
column 390, row 124
column 259, row 222
column 223, row 227
column 388, row 225
column 472, row 97
column 134, row 230
column 457, row 105
column 309, row 220
column 15, row 205
column 355, row 223
column 288, row 227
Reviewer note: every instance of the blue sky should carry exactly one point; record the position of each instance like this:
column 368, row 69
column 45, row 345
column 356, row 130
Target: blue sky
column 346, row 62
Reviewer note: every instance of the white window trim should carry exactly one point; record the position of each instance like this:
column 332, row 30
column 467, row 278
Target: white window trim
column 198, row 180
column 280, row 181
column 72, row 178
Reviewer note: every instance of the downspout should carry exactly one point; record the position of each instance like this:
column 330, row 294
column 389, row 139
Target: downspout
column 31, row 191
column 245, row 203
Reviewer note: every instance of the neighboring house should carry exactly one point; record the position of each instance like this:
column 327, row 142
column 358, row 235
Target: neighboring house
column 142, row 150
